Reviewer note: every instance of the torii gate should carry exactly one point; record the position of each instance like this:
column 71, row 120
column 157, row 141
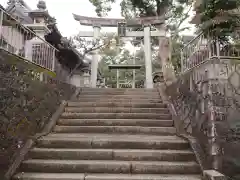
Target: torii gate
column 97, row 23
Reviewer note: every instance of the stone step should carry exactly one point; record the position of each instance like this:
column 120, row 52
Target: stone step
column 121, row 96
column 115, row 122
column 112, row 141
column 109, row 166
column 119, row 93
column 79, row 176
column 112, row 134
column 116, row 104
column 115, row 110
column 112, row 154
column 118, row 90
column 115, row 115
column 116, row 129
column 120, row 100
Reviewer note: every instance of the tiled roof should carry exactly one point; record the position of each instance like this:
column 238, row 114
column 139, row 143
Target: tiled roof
column 20, row 9
column 1, row 7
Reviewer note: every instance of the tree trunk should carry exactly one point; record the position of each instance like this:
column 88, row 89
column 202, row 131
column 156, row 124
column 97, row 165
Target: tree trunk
column 165, row 59
column 165, row 51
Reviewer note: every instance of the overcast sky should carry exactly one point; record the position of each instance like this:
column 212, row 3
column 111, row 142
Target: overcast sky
column 62, row 10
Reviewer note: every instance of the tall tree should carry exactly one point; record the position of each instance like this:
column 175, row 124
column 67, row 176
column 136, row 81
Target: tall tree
column 176, row 11
column 219, row 18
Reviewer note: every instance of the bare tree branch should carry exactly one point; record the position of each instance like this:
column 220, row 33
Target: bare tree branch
column 87, row 50
column 184, row 18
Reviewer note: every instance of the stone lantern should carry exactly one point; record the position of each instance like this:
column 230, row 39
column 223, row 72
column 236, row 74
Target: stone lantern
column 39, row 17
column 86, row 79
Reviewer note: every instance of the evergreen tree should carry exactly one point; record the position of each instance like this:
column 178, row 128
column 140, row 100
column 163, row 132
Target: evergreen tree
column 219, row 18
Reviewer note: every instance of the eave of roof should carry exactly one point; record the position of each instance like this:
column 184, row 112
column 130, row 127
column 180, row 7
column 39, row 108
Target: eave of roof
column 124, row 66
column 20, row 11
column 39, row 13
column 1, row 7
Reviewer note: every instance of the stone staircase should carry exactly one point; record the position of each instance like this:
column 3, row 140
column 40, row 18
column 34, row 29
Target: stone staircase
column 112, row 134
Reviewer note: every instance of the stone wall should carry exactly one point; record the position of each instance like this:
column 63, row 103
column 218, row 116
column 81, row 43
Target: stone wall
column 207, row 104
column 26, row 103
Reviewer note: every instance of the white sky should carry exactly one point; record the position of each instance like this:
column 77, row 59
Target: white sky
column 62, row 10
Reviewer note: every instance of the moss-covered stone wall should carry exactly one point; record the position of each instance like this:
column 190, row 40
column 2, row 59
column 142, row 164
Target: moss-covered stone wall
column 26, row 103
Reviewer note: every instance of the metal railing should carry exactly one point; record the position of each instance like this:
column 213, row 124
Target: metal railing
column 202, row 48
column 22, row 41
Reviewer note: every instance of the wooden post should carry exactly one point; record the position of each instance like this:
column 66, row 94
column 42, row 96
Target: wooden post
column 134, row 72
column 117, row 78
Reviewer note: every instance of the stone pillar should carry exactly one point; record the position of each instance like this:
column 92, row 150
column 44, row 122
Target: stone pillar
column 95, row 59
column 134, row 79
column 29, row 50
column 86, row 79
column 148, row 57
column 117, row 78
column 134, row 74
column 41, row 78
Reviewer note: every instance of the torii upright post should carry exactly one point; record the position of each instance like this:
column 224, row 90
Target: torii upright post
column 94, row 63
column 148, row 56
